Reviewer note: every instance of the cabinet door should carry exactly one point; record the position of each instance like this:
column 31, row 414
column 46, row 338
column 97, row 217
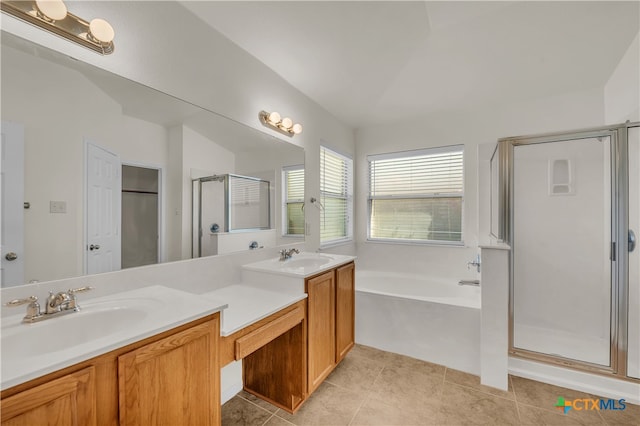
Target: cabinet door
column 69, row 400
column 172, row 381
column 345, row 310
column 321, row 328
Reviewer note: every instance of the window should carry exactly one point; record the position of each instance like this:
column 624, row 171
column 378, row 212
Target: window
column 416, row 196
column 293, row 200
column 336, row 183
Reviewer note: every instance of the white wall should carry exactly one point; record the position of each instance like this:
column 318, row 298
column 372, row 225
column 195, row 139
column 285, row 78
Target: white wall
column 164, row 46
column 60, row 109
column 198, row 154
column 622, row 91
column 473, row 129
column 274, row 161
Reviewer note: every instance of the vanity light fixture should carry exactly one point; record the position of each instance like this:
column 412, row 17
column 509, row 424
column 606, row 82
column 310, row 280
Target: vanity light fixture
column 283, row 125
column 53, row 16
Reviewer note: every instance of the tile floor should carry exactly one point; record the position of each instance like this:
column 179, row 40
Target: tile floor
column 373, row 387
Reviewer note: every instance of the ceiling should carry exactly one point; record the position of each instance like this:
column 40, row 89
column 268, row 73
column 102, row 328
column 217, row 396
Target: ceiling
column 389, row 61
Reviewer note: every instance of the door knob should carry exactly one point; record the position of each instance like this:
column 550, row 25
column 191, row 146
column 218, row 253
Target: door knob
column 11, row 256
column 93, row 247
column 632, row 241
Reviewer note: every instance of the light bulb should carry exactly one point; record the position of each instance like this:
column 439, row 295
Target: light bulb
column 274, row 118
column 297, row 128
column 287, row 123
column 55, row 10
column 101, row 30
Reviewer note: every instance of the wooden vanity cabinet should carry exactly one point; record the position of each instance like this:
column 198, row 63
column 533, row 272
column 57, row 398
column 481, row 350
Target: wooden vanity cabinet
column 345, row 310
column 274, row 356
column 172, row 378
column 331, row 321
column 321, row 316
column 169, row 382
column 67, row 400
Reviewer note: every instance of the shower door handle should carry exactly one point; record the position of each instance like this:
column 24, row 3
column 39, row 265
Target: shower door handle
column 632, row 241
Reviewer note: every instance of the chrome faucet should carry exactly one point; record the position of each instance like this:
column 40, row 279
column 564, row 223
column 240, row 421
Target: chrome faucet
column 286, row 254
column 58, row 304
column 475, row 262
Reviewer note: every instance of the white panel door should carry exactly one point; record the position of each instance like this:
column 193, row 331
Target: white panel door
column 103, row 185
column 12, row 207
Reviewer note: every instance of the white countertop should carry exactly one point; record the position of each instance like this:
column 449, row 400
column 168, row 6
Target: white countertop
column 301, row 265
column 144, row 312
column 248, row 304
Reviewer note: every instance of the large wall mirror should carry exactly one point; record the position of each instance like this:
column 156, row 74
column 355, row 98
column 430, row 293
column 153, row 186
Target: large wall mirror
column 98, row 173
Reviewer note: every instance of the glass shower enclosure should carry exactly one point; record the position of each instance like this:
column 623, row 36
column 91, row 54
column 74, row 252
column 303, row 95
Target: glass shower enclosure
column 228, row 203
column 568, row 204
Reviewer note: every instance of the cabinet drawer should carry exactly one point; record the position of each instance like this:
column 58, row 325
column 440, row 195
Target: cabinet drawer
column 268, row 332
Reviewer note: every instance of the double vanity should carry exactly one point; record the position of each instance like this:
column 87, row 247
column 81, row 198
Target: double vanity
column 153, row 355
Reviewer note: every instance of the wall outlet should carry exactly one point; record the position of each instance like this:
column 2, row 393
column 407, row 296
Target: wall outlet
column 57, row 206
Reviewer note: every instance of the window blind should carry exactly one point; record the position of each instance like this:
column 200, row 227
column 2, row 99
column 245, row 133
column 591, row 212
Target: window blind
column 293, row 178
column 249, row 200
column 416, row 195
column 335, row 196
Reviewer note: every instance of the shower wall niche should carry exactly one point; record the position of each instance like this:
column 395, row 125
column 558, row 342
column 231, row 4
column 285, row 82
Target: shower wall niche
column 227, row 205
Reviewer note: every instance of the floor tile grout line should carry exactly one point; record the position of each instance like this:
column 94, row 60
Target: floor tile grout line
column 515, row 397
column 482, row 391
column 270, row 417
column 366, row 398
column 253, row 403
column 285, row 420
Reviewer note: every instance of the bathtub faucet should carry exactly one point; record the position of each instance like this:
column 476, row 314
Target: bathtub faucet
column 475, row 262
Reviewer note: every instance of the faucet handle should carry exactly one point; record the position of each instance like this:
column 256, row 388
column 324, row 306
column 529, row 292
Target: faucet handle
column 33, row 310
column 18, row 302
column 79, row 289
column 73, row 303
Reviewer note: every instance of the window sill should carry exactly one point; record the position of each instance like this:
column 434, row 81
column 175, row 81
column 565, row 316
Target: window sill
column 452, row 244
column 336, row 243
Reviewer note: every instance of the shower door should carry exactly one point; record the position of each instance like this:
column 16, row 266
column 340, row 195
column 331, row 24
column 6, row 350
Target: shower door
column 570, row 209
column 561, row 245
column 633, row 360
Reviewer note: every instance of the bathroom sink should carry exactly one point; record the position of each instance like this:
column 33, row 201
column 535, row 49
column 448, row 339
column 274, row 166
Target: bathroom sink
column 94, row 321
column 306, row 262
column 104, row 323
column 300, row 265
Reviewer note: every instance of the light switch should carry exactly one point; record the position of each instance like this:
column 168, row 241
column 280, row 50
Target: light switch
column 57, row 206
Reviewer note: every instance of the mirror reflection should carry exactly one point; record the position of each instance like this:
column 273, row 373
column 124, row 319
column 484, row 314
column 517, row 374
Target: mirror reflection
column 98, row 172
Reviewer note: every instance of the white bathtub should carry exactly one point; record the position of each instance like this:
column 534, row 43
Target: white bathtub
column 430, row 319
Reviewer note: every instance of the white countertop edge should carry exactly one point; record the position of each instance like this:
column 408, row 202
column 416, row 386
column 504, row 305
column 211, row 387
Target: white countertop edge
column 290, row 301
column 84, row 356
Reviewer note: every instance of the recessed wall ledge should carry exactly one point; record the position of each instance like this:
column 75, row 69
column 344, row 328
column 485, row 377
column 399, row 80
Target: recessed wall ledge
column 497, row 246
